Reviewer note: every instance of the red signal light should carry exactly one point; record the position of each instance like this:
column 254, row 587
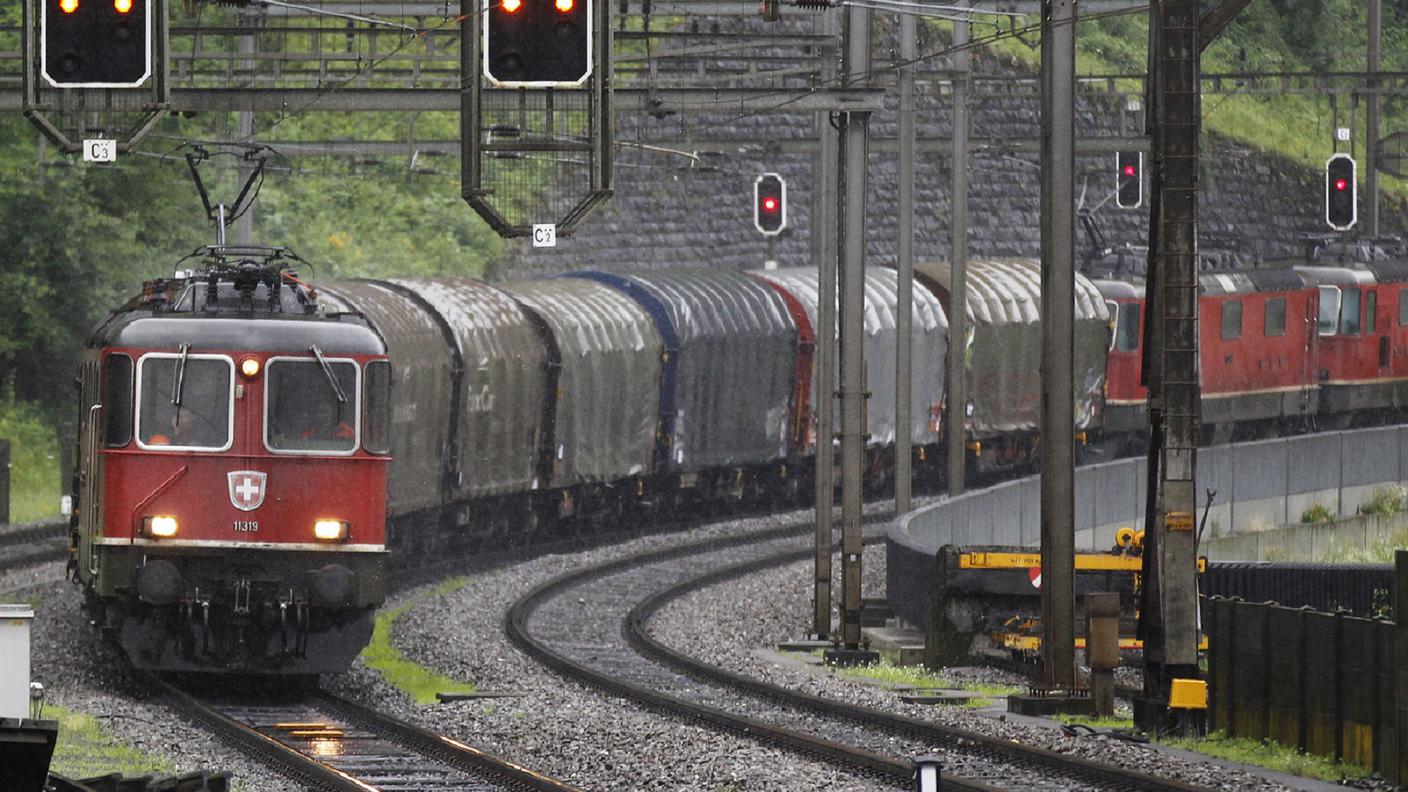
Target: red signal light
column 122, row 6
column 68, row 6
column 564, row 6
column 1341, row 184
column 511, row 6
column 1129, row 170
column 769, row 204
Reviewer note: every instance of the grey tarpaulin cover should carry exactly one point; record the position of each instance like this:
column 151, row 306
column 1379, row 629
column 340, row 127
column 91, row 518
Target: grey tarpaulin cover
column 421, row 368
column 504, row 383
column 609, row 383
column 929, row 333
column 735, row 364
column 1004, row 345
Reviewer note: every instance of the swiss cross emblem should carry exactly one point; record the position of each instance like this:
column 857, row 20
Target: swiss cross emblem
column 246, row 489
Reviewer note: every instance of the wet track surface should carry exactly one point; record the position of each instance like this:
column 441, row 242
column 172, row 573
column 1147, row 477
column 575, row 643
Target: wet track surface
column 325, row 742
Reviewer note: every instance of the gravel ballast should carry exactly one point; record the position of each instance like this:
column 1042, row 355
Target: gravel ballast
column 593, row 740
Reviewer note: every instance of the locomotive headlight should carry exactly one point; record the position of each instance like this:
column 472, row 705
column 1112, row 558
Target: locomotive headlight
column 162, row 527
column 330, row 530
column 249, row 367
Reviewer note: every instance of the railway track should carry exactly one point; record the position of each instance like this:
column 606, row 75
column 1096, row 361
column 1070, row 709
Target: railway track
column 324, row 742
column 591, row 625
column 38, row 543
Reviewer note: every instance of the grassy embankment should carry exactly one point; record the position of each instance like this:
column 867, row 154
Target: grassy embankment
column 410, row 677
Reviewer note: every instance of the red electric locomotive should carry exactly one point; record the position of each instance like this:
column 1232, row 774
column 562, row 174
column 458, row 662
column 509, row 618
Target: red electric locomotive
column 1362, row 342
column 231, row 479
column 1257, row 361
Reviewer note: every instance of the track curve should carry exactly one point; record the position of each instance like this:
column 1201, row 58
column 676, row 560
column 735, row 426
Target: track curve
column 590, row 625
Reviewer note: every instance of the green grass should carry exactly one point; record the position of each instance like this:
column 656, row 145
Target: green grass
column 1097, row 723
column 411, row 678
column 1270, row 755
column 86, row 749
column 34, row 462
column 920, row 677
column 1293, row 126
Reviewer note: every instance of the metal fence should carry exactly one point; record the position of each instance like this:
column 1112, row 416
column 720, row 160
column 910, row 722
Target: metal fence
column 1325, row 683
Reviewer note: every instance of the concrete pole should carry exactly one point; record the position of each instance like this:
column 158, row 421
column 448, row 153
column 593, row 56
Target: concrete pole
column 855, row 67
column 957, row 370
column 1371, row 131
column 904, row 309
column 824, row 213
column 1058, row 228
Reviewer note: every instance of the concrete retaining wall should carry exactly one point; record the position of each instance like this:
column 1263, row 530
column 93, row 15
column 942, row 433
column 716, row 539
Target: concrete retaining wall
column 1259, row 486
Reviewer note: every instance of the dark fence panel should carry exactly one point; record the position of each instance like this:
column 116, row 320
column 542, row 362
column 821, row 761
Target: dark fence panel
column 1362, row 589
column 1322, row 682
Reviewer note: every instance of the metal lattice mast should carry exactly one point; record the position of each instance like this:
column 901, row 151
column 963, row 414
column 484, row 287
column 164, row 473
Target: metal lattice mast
column 1169, row 612
column 855, row 69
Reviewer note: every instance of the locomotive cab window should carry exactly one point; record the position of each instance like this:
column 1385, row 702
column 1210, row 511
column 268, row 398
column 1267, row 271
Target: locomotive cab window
column 1127, row 328
column 310, row 406
column 117, row 401
column 376, row 412
column 1275, row 324
column 1402, row 307
column 1371, row 311
column 1329, row 310
column 1231, row 320
column 1349, row 312
column 184, row 402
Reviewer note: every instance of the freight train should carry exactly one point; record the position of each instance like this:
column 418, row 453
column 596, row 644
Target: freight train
column 255, row 453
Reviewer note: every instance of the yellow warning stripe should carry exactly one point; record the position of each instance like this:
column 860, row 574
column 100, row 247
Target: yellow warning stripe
column 1032, row 643
column 1099, row 562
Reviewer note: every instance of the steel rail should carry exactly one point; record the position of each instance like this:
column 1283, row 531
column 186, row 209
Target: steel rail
column 516, row 627
column 33, row 535
column 437, row 746
column 313, row 773
column 635, row 627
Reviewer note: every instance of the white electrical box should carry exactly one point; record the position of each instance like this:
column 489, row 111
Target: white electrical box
column 14, row 660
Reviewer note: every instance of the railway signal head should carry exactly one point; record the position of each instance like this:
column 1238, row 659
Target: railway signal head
column 538, row 43
column 95, row 43
column 1129, row 179
column 770, row 204
column 1341, row 207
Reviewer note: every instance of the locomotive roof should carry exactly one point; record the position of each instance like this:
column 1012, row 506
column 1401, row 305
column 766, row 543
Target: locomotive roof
column 1250, row 281
column 170, row 313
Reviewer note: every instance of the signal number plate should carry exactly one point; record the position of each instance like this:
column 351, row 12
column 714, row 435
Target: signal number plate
column 246, row 526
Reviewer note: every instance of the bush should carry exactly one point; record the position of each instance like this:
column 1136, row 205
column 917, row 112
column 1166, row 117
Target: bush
column 34, row 462
column 1384, row 501
column 1316, row 513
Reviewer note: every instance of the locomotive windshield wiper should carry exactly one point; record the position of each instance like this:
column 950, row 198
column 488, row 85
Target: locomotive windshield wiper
column 327, row 372
column 180, row 377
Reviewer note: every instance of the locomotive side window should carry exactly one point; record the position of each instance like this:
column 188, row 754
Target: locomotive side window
column 376, row 411
column 1275, row 324
column 309, row 408
column 1231, row 320
column 184, row 402
column 1349, row 312
column 1402, row 307
column 1329, row 310
column 1371, row 310
column 117, row 401
column 1127, row 328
